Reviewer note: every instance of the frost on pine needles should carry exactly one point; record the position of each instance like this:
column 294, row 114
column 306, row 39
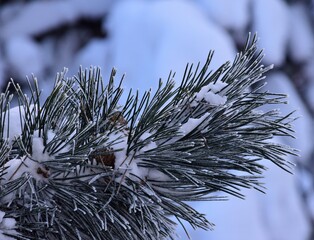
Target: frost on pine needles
column 85, row 165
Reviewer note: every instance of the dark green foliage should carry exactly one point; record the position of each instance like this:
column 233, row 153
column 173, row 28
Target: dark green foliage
column 82, row 189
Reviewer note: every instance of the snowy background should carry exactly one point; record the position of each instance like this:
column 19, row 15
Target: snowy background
column 147, row 39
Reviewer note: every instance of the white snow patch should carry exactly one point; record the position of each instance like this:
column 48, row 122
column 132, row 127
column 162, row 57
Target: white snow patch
column 156, row 175
column 271, row 22
column 192, row 124
column 148, row 173
column 16, row 167
column 128, row 165
column 120, row 147
column 38, row 147
column 229, row 14
column 151, row 145
column 135, row 172
column 4, row 237
column 211, row 94
column 7, row 225
column 23, row 56
column 124, row 164
column 301, row 39
column 13, row 124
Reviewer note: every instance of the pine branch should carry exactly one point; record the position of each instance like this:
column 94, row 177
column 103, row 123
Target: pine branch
column 85, row 165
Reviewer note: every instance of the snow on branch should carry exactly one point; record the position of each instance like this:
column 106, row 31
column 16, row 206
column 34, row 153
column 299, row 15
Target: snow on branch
column 84, row 165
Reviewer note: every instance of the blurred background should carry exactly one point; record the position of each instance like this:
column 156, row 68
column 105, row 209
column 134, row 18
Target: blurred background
column 147, row 39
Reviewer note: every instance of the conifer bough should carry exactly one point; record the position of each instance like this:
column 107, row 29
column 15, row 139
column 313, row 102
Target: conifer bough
column 85, row 165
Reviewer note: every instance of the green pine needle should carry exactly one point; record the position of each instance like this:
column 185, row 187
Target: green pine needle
column 109, row 169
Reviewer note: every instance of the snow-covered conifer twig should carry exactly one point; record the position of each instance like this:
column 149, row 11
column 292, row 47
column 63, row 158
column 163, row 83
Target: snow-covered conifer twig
column 84, row 165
